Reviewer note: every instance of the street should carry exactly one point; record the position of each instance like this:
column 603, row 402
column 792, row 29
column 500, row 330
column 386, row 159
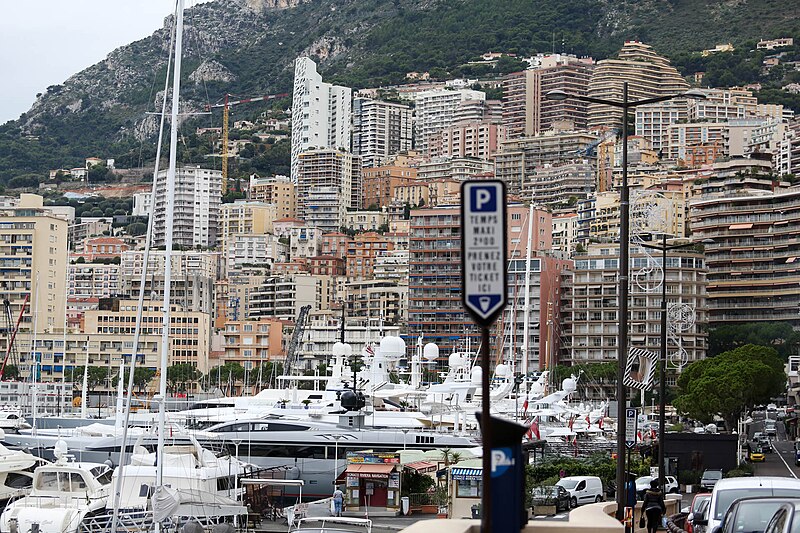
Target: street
column 781, row 461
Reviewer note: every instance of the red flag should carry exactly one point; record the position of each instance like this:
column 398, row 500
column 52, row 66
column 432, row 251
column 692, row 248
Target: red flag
column 638, row 435
column 571, row 421
column 653, row 434
column 525, row 407
column 575, row 441
column 600, row 423
column 534, row 431
column 588, row 420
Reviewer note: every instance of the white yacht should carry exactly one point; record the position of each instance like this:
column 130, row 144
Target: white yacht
column 16, row 472
column 64, row 494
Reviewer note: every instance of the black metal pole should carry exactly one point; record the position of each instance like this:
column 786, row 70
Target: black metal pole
column 622, row 340
column 486, row 435
column 662, row 374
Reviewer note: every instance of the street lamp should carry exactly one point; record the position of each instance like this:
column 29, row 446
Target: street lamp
column 624, row 262
column 662, row 376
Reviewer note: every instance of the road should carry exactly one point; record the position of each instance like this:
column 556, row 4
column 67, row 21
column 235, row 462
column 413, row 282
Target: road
column 781, row 461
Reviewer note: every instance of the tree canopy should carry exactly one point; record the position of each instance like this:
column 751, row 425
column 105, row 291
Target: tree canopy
column 779, row 335
column 730, row 384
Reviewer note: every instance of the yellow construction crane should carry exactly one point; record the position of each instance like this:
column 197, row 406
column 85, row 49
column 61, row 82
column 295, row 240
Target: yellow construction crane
column 226, row 105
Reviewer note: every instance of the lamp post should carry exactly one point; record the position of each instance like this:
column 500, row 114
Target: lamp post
column 336, row 458
column 624, row 262
column 662, row 375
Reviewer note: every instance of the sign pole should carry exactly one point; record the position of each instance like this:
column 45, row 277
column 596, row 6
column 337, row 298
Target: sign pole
column 486, row 436
column 484, row 295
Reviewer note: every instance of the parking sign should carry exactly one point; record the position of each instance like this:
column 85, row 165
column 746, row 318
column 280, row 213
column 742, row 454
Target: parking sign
column 483, row 249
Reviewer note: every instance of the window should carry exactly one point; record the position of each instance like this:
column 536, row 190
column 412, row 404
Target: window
column 468, row 489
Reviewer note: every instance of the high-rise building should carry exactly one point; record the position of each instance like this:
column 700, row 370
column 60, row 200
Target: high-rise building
column 33, row 261
column 380, row 183
column 320, row 113
column 648, row 75
column 328, row 184
column 560, row 184
column 198, row 195
column 467, row 139
column 435, row 111
column 591, row 320
column 753, row 223
column 245, row 217
column 380, row 130
column 434, row 292
column 526, row 109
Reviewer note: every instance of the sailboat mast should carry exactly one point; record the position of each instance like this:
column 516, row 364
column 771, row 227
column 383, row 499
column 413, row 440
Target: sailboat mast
column 168, row 228
column 527, row 304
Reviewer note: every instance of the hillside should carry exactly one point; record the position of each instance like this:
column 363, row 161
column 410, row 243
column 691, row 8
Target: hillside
column 248, row 49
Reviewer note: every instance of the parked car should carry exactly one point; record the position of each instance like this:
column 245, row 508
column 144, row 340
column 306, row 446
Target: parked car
column 697, row 509
column 727, row 491
column 748, row 515
column 770, row 430
column 643, row 483
column 785, row 520
column 772, row 407
column 582, row 489
column 554, row 495
column 710, row 478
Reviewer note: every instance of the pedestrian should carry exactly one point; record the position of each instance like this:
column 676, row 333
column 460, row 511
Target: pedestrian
column 653, row 506
column 338, row 501
column 561, row 473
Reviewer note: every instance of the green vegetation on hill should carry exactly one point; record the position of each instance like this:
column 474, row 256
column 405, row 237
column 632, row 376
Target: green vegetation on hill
column 368, row 43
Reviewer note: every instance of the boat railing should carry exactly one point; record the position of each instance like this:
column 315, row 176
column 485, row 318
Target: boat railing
column 141, row 521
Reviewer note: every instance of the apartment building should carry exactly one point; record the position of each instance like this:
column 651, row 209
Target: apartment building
column 334, row 244
column 565, row 233
column 391, row 265
column 189, row 335
column 245, row 217
column 380, row 130
column 380, row 183
column 754, row 223
column 559, row 184
column 232, row 296
column 252, row 342
column 435, row 111
column 276, row 190
column 590, row 312
column 198, row 196
column 653, row 121
column 362, row 252
column 328, row 184
column 648, row 75
column 95, row 248
column 366, row 220
column 282, row 296
column 253, row 251
column 684, row 135
column 526, row 109
column 520, row 157
column 456, row 168
column 320, row 114
column 414, row 193
column 479, row 139
column 304, row 243
column 33, row 265
column 93, row 280
column 376, row 302
column 434, row 296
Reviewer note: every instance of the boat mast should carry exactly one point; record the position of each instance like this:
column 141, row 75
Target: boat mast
column 527, row 305
column 168, row 229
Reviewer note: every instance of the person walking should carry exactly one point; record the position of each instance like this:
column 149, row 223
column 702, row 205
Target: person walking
column 653, row 506
column 338, row 501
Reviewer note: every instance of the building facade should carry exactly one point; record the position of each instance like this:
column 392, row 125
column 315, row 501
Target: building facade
column 198, row 196
column 380, row 130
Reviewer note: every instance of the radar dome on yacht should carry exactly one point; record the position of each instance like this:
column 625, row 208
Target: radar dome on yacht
column 393, row 347
column 569, row 385
column 476, row 375
column 502, row 371
column 60, row 449
column 430, row 352
column 537, row 388
column 457, row 360
column 340, row 348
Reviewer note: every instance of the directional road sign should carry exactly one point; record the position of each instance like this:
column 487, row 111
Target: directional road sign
column 631, row 427
column 483, row 249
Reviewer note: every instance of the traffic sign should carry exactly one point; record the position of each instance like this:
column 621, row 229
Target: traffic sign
column 483, row 249
column 631, row 427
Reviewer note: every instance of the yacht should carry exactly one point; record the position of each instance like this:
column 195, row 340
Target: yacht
column 63, row 495
column 16, row 472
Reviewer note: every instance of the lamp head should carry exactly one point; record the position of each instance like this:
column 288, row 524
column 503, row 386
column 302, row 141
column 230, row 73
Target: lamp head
column 557, row 94
column 695, row 94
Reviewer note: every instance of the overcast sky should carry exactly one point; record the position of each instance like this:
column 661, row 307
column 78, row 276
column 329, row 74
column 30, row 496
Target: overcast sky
column 43, row 42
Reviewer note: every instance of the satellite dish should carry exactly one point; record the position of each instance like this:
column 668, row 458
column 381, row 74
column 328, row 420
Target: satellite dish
column 60, row 449
column 392, row 347
column 476, row 376
column 569, row 385
column 430, row 352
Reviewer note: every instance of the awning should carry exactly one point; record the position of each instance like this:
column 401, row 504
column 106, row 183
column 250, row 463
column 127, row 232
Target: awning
column 421, row 466
column 740, row 226
column 370, row 471
column 467, row 474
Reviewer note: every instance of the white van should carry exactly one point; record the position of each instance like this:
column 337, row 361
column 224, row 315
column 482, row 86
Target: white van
column 726, row 491
column 582, row 489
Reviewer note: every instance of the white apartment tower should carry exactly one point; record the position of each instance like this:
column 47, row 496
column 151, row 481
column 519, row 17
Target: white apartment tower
column 380, row 129
column 320, row 113
column 198, row 195
column 435, row 111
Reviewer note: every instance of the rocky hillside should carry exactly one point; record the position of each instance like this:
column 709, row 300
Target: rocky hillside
column 247, row 47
